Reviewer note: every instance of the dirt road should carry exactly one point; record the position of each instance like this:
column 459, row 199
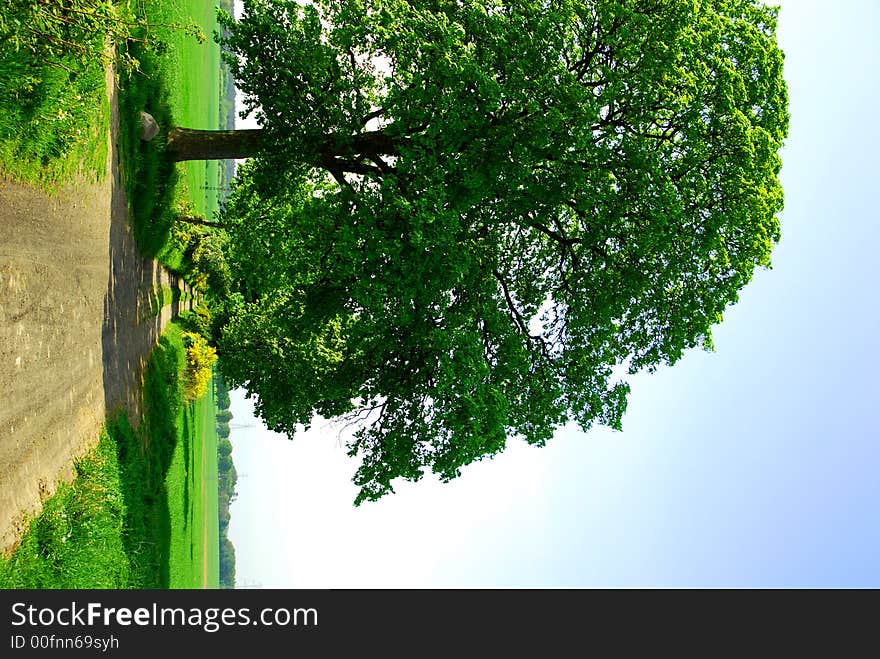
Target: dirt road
column 73, row 338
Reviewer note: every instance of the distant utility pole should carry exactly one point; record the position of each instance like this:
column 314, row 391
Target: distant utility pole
column 250, row 584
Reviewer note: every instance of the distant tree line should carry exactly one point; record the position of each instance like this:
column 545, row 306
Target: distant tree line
column 226, row 479
column 226, row 474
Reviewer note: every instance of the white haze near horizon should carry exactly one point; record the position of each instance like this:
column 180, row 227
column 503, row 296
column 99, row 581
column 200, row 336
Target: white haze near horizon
column 755, row 465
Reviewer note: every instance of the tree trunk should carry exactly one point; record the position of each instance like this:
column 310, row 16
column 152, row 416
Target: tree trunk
column 189, row 144
column 356, row 154
column 191, row 219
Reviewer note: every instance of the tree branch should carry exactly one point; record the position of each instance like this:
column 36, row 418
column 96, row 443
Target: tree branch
column 375, row 114
column 331, row 164
column 518, row 320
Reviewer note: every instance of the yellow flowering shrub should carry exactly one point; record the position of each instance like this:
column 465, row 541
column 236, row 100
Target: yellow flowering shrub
column 200, row 357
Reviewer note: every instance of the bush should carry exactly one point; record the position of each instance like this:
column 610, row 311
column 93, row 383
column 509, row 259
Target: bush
column 210, row 264
column 200, row 358
column 197, row 320
column 202, row 247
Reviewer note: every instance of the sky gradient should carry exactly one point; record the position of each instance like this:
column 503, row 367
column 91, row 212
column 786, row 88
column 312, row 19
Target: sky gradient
column 754, row 465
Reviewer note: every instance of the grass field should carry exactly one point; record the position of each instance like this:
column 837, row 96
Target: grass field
column 186, row 460
column 192, row 499
column 197, row 101
column 79, row 541
column 142, row 512
column 192, row 73
column 180, row 85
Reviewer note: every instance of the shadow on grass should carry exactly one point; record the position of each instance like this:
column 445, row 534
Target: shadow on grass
column 144, row 458
column 147, row 521
column 164, row 399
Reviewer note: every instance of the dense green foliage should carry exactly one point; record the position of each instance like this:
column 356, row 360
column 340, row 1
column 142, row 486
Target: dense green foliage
column 464, row 215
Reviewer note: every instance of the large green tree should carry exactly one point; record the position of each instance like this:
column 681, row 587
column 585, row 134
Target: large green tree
column 463, row 215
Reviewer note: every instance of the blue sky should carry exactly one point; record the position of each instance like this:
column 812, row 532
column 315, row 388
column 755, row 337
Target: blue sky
column 754, row 465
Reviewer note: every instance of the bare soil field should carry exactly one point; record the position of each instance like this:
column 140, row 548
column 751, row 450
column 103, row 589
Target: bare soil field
column 75, row 329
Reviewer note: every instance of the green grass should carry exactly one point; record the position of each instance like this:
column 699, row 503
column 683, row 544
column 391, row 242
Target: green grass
column 192, row 500
column 137, row 513
column 197, row 101
column 151, row 182
column 160, row 298
column 176, row 443
column 180, row 85
column 54, row 113
column 207, row 431
column 77, row 541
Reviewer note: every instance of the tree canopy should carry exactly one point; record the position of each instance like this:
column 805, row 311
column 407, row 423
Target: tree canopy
column 464, row 215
